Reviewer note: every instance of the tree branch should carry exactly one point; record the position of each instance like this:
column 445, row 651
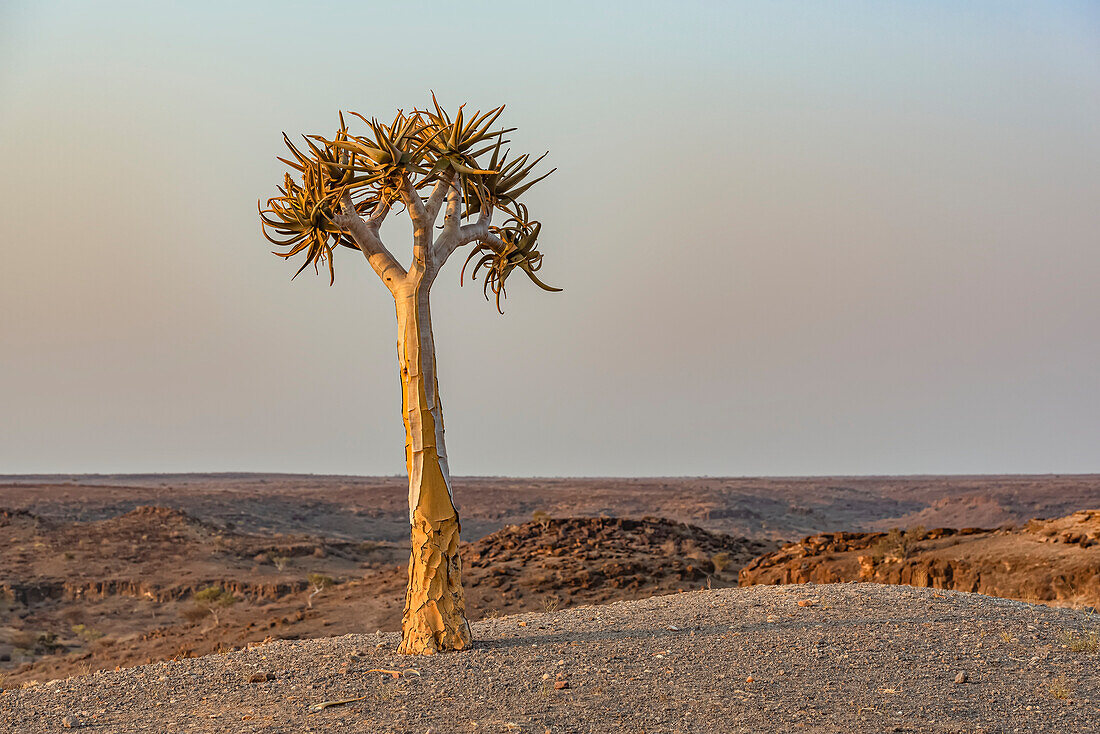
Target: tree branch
column 493, row 241
column 464, row 235
column 381, row 210
column 453, row 216
column 414, row 203
column 365, row 234
column 435, row 201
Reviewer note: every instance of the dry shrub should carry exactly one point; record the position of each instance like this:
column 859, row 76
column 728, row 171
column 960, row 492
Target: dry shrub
column 1076, row 642
column 195, row 613
column 720, row 561
column 1060, row 688
column 898, row 544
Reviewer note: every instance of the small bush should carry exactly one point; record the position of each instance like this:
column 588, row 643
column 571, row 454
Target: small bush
column 1060, row 688
column 47, row 643
column 195, row 613
column 541, row 517
column 318, row 581
column 721, row 561
column 86, row 633
column 898, row 544
column 213, row 598
column 1089, row 642
column 319, row 584
column 280, row 562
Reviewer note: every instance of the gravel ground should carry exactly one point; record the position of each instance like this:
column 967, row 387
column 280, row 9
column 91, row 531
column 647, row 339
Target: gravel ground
column 833, row 658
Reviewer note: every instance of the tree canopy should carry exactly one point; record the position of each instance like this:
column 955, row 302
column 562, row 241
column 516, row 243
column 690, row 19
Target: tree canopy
column 336, row 181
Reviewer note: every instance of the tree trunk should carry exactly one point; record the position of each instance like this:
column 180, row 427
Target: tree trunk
column 435, row 610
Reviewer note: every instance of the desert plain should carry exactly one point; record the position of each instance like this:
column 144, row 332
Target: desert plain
column 99, row 574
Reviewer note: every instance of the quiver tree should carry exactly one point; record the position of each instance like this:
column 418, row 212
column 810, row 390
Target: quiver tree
column 338, row 194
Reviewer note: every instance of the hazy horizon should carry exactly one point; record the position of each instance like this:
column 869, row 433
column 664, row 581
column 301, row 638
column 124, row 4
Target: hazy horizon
column 402, row 476
column 883, row 220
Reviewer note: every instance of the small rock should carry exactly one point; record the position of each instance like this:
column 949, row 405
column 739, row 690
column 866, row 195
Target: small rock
column 750, row 679
column 962, row 677
column 68, row 722
column 261, row 677
column 561, row 684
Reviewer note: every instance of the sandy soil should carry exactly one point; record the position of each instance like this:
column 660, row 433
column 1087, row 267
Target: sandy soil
column 836, row 658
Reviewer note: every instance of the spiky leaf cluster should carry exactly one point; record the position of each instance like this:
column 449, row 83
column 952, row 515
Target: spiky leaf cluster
column 518, row 234
column 370, row 169
column 303, row 217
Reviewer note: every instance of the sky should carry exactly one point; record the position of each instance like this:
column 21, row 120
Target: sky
column 795, row 238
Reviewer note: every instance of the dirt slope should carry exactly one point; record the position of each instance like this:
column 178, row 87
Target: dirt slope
column 1051, row 561
column 836, row 658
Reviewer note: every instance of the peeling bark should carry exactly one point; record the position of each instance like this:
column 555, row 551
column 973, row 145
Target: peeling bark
column 435, row 609
column 434, row 619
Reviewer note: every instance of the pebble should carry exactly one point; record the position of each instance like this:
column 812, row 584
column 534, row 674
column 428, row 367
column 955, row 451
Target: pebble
column 961, row 677
column 261, row 677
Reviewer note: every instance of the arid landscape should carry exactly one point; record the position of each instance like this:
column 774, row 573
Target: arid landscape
column 99, row 572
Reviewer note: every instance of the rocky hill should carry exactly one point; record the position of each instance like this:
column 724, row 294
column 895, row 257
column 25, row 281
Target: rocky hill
column 596, row 559
column 1050, row 561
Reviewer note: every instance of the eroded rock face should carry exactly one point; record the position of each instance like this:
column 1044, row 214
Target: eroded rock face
column 1051, row 561
column 156, row 554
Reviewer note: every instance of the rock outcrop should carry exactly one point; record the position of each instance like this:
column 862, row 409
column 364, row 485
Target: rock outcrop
column 1050, row 561
column 602, row 558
